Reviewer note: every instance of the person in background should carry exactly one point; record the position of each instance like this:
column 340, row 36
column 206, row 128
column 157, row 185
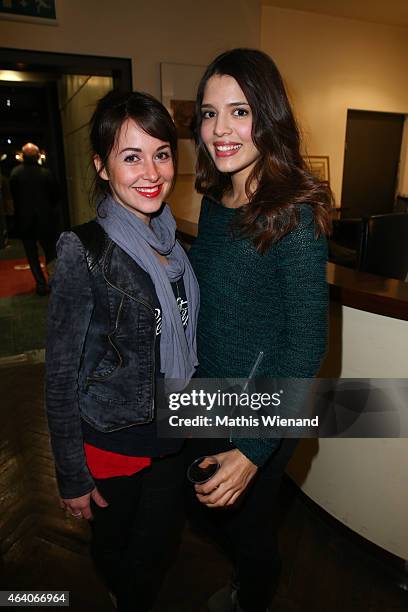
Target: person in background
column 35, row 196
column 3, row 223
column 260, row 260
column 122, row 313
column 6, row 202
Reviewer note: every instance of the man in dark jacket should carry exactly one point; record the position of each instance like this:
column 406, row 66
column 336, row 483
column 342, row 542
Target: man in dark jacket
column 34, row 193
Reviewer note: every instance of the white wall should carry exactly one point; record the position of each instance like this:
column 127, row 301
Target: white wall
column 147, row 32
column 333, row 64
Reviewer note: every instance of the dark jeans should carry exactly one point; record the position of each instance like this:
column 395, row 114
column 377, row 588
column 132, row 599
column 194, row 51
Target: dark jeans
column 136, row 536
column 247, row 533
column 31, row 251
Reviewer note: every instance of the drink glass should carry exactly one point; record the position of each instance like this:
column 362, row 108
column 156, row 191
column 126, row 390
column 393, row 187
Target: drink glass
column 200, row 475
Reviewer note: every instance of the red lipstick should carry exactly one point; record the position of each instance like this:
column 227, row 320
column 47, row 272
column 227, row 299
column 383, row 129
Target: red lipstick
column 149, row 192
column 226, row 149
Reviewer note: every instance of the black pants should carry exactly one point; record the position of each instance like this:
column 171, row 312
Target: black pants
column 31, row 251
column 247, row 533
column 136, row 536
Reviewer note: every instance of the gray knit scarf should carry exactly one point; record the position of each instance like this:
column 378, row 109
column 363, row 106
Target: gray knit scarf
column 178, row 348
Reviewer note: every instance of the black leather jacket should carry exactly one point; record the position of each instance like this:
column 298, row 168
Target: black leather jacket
column 100, row 355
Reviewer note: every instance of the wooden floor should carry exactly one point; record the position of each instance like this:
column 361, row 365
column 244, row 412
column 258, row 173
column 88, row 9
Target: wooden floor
column 42, row 549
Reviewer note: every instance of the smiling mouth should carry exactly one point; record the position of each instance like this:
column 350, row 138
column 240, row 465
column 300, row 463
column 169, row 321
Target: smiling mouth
column 226, row 149
column 149, row 192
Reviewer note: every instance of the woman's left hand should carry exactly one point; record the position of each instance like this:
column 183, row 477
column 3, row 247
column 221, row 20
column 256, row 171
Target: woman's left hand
column 231, row 480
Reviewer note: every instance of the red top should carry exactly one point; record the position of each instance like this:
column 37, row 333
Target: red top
column 105, row 464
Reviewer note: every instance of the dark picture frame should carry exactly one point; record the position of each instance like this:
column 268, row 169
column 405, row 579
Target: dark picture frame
column 34, row 11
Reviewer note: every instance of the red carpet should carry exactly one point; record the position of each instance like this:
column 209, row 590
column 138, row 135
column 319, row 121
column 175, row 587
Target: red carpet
column 16, row 282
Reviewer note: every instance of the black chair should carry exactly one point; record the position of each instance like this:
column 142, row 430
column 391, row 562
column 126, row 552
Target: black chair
column 384, row 245
column 344, row 243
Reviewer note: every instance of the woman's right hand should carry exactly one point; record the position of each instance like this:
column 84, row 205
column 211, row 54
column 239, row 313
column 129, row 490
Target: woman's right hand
column 80, row 507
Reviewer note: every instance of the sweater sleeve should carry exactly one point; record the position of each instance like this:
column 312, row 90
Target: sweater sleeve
column 301, row 266
column 301, row 261
column 69, row 312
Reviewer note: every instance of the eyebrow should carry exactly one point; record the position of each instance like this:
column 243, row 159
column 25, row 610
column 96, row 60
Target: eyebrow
column 229, row 104
column 130, row 149
column 137, row 150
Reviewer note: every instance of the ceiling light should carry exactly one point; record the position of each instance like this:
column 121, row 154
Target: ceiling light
column 11, row 75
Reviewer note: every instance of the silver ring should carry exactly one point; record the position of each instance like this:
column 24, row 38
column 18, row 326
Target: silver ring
column 77, row 514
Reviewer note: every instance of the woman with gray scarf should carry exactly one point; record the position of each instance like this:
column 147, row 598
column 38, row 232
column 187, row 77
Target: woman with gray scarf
column 122, row 313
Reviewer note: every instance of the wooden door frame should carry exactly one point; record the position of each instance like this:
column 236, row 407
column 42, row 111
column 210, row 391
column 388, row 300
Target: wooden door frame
column 120, row 69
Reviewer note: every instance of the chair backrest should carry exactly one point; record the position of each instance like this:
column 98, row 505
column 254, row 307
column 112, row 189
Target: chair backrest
column 384, row 245
column 347, row 233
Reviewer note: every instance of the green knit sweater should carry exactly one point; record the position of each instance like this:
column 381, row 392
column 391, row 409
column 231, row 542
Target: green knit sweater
column 276, row 303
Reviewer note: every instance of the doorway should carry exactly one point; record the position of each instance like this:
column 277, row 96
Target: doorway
column 46, row 98
column 30, row 114
column 371, row 162
column 73, row 84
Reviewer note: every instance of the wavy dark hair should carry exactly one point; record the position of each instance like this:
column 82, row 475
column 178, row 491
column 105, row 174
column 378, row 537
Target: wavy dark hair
column 111, row 112
column 282, row 178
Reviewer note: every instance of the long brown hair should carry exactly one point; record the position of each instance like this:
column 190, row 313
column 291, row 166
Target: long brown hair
column 282, row 177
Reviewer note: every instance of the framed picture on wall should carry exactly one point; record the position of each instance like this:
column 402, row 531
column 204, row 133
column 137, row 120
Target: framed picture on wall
column 319, row 165
column 34, row 11
column 178, row 91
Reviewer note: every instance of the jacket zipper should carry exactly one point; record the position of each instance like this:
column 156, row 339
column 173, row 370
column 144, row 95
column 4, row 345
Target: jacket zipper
column 147, row 305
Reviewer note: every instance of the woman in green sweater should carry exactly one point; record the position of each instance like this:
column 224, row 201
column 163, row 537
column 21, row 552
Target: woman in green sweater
column 260, row 259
